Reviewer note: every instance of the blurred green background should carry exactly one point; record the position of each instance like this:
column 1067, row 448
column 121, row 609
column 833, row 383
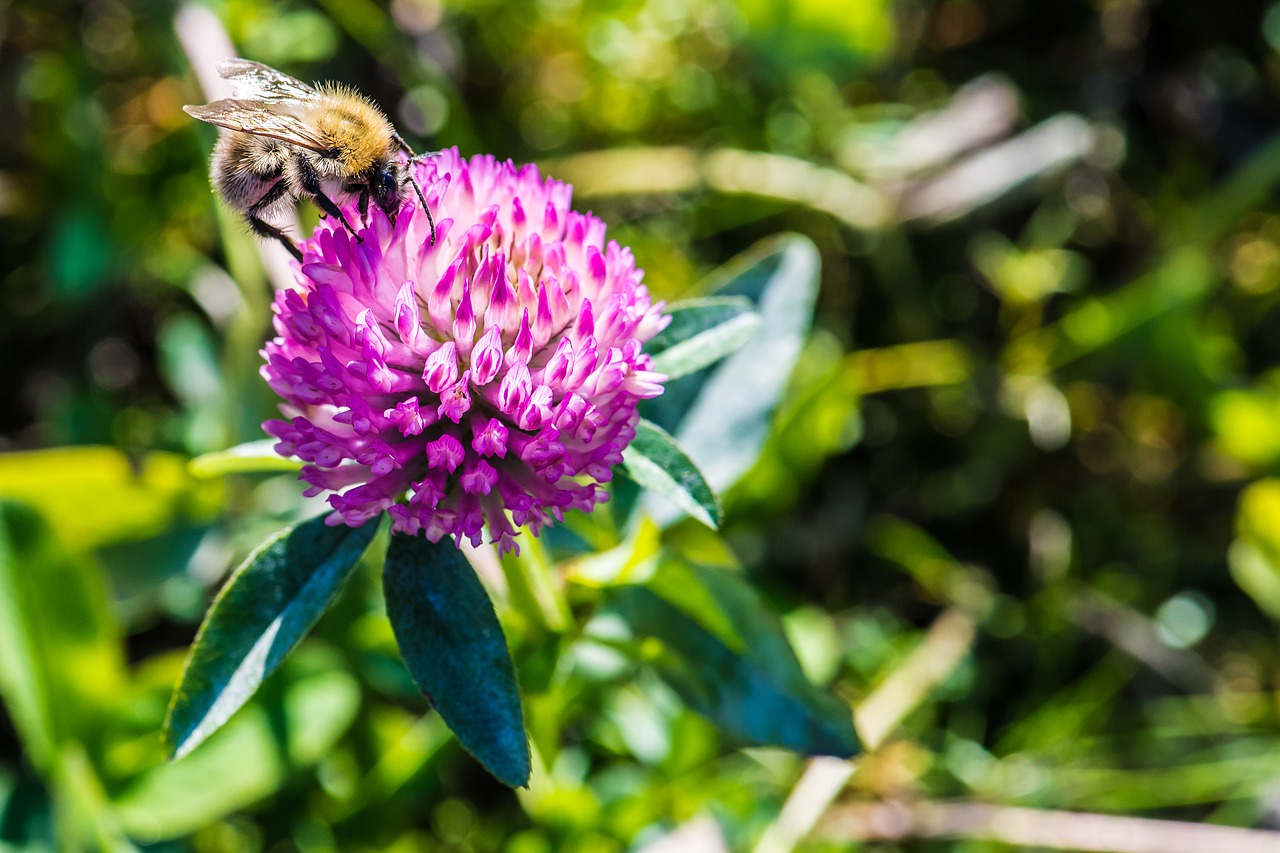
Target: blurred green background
column 1041, row 395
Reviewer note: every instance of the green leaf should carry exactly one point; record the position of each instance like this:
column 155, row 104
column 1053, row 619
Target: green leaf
column 187, row 356
column 263, row 612
column 22, row 676
column 757, row 694
column 726, row 423
column 249, row 758
column 655, row 461
column 248, row 458
column 701, row 332
column 85, row 817
column 681, row 584
column 96, row 496
column 451, row 642
column 1254, row 557
column 60, row 650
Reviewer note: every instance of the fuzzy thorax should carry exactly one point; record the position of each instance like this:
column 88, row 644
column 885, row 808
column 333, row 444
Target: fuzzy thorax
column 355, row 128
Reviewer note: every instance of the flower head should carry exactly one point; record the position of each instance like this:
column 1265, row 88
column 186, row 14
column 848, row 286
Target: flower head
column 489, row 378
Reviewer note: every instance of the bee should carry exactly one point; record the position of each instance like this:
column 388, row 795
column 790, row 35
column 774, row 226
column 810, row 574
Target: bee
column 285, row 141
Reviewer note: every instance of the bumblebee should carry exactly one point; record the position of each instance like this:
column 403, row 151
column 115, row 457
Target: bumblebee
column 287, row 141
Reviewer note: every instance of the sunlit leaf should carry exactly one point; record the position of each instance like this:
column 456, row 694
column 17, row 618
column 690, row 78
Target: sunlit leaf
column 729, row 415
column 60, row 653
column 1254, row 558
column 95, row 496
column 820, row 31
column 263, row 612
column 655, row 461
column 757, row 694
column 22, row 677
column 631, row 561
column 701, row 332
column 815, row 638
column 451, row 642
column 1244, row 423
column 248, row 458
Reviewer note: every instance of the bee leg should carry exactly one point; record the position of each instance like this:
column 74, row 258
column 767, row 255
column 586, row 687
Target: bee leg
column 310, row 180
column 265, row 229
column 363, row 205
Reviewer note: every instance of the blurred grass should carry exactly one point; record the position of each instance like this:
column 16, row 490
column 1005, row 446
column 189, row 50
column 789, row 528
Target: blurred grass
column 1051, row 403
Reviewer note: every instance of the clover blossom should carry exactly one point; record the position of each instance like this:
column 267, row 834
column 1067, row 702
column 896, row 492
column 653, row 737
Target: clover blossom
column 489, row 378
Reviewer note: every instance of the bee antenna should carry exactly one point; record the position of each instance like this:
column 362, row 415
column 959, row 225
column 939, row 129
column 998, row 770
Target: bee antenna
column 404, row 146
column 430, row 220
column 414, row 158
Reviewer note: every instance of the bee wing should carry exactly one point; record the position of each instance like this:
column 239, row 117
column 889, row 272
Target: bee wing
column 260, row 119
column 253, row 81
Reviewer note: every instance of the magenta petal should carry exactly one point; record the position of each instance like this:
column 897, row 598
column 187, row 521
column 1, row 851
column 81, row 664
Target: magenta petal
column 441, row 369
column 445, row 453
column 491, row 439
column 486, row 358
column 455, row 401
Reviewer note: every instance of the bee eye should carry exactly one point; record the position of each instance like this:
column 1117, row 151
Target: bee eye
column 384, row 185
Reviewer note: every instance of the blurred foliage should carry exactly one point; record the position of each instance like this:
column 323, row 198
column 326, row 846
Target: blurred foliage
column 1040, row 390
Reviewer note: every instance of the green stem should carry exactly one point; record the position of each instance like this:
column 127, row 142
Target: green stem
column 534, row 587
column 83, row 806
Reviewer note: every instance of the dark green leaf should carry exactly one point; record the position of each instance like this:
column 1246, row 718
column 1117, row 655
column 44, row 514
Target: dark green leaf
column 758, row 695
column 451, row 642
column 701, row 332
column 655, row 461
column 26, row 812
column 724, row 420
column 263, row 612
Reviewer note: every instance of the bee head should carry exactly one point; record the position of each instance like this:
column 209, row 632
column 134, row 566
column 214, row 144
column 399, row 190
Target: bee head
column 384, row 185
